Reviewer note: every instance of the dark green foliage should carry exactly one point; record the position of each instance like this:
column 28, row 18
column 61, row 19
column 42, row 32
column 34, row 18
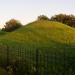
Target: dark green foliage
column 43, row 17
column 12, row 25
column 63, row 18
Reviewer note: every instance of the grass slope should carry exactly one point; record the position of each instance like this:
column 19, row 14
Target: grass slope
column 43, row 30
column 55, row 44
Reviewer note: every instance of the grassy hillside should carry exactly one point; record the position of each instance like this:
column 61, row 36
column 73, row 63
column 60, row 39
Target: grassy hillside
column 51, row 44
column 43, row 30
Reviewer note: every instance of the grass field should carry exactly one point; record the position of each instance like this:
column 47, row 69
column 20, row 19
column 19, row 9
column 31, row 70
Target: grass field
column 44, row 46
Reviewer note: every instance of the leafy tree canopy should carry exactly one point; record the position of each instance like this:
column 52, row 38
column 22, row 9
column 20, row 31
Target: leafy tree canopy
column 63, row 18
column 12, row 25
column 43, row 17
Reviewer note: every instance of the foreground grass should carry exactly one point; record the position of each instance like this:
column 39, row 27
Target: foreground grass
column 3, row 72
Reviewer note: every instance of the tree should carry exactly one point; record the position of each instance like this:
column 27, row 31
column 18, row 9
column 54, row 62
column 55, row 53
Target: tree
column 63, row 18
column 12, row 25
column 43, row 17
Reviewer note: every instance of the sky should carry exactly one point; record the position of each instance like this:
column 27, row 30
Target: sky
column 27, row 10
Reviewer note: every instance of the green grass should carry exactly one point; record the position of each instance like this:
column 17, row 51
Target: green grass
column 3, row 72
column 54, row 41
column 42, row 30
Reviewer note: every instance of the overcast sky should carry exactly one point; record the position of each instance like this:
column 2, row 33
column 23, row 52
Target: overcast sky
column 28, row 10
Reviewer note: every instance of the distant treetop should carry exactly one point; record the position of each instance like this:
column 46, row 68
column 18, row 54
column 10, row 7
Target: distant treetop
column 43, row 17
column 63, row 18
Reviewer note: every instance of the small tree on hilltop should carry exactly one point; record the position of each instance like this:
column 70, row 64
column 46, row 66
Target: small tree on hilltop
column 12, row 25
column 43, row 17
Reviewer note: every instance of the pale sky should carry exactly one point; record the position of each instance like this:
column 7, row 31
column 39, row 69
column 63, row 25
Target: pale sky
column 27, row 10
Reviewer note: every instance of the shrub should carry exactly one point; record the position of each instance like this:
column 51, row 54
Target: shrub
column 12, row 25
column 43, row 17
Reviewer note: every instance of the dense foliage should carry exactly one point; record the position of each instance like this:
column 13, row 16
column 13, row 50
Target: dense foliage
column 63, row 18
column 43, row 17
column 12, row 25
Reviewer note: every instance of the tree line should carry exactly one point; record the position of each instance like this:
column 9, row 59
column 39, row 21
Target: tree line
column 14, row 24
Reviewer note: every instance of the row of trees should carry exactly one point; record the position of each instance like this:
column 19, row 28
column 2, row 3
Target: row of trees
column 63, row 18
column 13, row 24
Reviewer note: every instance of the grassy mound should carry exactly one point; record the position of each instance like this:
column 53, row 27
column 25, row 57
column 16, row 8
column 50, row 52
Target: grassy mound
column 44, row 46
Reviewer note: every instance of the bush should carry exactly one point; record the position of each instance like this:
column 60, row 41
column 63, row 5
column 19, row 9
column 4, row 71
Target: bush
column 43, row 17
column 12, row 25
